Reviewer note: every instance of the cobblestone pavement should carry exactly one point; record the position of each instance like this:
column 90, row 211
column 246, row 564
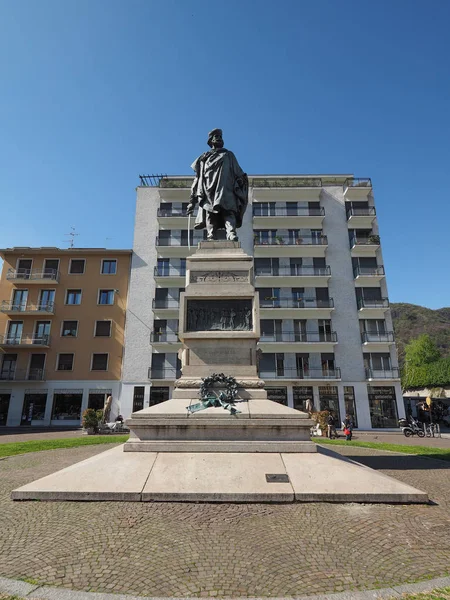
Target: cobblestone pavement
column 177, row 549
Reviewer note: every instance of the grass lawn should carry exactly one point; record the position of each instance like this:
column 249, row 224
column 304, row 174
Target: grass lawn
column 37, row 445
column 441, row 453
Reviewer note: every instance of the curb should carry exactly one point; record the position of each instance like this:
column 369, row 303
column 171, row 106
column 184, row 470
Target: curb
column 34, row 592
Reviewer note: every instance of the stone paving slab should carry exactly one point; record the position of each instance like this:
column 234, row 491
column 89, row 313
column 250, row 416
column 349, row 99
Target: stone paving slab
column 218, row 477
column 188, row 550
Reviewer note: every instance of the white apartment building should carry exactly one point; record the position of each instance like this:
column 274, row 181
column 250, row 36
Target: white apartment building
column 326, row 328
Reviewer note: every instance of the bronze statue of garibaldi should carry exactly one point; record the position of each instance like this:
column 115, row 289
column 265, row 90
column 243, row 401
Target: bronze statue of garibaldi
column 220, row 189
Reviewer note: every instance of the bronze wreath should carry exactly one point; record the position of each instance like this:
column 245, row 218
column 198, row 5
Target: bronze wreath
column 230, row 384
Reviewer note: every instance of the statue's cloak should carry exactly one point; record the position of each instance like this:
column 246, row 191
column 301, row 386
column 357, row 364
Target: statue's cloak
column 220, row 185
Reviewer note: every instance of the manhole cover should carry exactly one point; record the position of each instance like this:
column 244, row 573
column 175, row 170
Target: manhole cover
column 277, row 478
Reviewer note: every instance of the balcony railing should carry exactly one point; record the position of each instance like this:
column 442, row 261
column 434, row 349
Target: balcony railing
column 382, row 373
column 177, row 241
column 367, row 337
column 167, row 373
column 370, row 240
column 295, row 303
column 260, row 182
column 29, row 275
column 163, row 336
column 368, row 303
column 368, row 211
column 301, row 337
column 365, row 182
column 6, row 306
column 24, row 340
column 368, row 271
column 293, row 271
column 22, row 375
column 172, row 212
column 286, row 241
column 170, row 271
column 301, row 211
column 301, row 373
column 165, row 303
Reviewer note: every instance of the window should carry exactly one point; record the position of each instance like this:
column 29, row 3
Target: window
column 46, row 299
column 329, row 400
column 14, row 335
column 138, row 398
column 77, row 266
column 383, row 407
column 99, row 362
column 73, row 297
column 67, row 406
column 65, row 362
column 33, row 408
column 277, row 395
column 350, row 404
column 158, row 395
column 69, row 329
column 109, row 266
column 106, row 297
column 19, row 300
column 102, row 328
column 301, row 395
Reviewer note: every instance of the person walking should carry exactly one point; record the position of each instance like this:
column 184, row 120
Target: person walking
column 331, row 427
column 348, row 428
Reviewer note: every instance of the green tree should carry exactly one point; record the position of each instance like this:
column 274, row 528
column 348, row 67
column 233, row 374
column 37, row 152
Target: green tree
column 421, row 351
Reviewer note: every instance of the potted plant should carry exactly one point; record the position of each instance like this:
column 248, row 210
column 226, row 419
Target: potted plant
column 373, row 239
column 321, row 418
column 91, row 420
column 299, row 241
column 279, row 239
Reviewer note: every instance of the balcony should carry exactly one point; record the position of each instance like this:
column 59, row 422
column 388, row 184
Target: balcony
column 294, row 374
column 373, row 374
column 23, row 375
column 48, row 276
column 357, row 188
column 24, row 341
column 169, row 373
column 174, row 218
column 361, row 218
column 9, row 308
column 372, row 309
column 293, row 276
column 168, row 308
column 298, row 341
column 176, row 246
column 304, row 308
column 366, row 275
column 170, row 276
column 363, row 246
column 284, row 218
column 373, row 338
column 165, row 341
column 285, row 246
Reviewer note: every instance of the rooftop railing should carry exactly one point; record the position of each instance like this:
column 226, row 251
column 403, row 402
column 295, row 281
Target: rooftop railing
column 295, row 303
column 368, row 303
column 29, row 275
column 280, row 182
column 22, row 375
column 382, row 373
column 289, row 241
column 368, row 271
column 301, row 373
column 299, row 337
column 354, row 182
column 164, row 373
column 24, row 340
column 293, row 271
column 268, row 211
column 6, row 306
column 388, row 336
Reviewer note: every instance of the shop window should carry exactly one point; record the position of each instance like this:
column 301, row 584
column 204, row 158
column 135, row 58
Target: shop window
column 33, row 408
column 383, row 407
column 329, row 400
column 67, row 406
column 301, row 394
column 350, row 404
column 158, row 395
column 278, row 395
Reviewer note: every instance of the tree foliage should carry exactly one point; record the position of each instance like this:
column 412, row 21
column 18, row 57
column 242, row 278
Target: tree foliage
column 429, row 375
column 421, row 351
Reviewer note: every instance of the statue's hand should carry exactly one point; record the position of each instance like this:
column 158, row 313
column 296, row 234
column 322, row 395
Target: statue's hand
column 190, row 208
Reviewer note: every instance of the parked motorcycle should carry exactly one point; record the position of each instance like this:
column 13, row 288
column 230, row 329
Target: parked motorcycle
column 410, row 428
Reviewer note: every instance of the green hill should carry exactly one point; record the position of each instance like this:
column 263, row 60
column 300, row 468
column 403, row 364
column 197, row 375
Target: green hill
column 411, row 320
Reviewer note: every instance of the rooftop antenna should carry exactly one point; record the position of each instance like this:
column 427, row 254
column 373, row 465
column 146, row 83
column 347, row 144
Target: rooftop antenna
column 72, row 236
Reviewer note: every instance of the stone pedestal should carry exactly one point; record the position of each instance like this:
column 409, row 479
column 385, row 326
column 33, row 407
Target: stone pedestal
column 219, row 328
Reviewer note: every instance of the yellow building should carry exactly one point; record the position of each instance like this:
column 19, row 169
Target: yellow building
column 62, row 320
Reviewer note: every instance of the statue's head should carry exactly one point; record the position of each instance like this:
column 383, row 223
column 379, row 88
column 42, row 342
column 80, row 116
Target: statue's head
column 215, row 139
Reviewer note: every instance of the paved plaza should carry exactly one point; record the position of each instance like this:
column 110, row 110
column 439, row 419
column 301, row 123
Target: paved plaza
column 177, row 549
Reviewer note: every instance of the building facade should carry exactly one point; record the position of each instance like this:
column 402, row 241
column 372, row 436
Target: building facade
column 62, row 320
column 326, row 328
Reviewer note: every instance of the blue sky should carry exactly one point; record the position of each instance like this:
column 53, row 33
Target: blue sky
column 95, row 92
